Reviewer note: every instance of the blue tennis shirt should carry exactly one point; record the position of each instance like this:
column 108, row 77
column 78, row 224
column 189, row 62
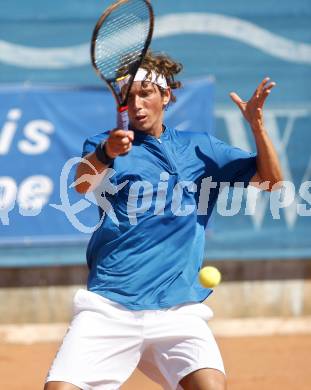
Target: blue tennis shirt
column 156, row 202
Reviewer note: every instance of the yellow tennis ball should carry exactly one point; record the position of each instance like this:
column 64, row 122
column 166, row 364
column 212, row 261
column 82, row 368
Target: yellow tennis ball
column 209, row 277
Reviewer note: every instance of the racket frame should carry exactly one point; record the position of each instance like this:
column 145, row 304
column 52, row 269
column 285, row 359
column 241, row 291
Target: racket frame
column 122, row 104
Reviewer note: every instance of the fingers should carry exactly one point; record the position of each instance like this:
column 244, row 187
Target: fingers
column 261, row 86
column 268, row 88
column 119, row 142
column 264, row 89
column 236, row 99
column 252, row 109
column 118, row 133
column 265, row 93
column 261, row 92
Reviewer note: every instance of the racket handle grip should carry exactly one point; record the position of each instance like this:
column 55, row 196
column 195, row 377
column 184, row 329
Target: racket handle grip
column 122, row 118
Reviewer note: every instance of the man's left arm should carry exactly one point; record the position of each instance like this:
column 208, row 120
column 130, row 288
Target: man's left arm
column 269, row 171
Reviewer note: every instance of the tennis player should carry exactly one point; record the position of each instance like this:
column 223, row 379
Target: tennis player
column 143, row 303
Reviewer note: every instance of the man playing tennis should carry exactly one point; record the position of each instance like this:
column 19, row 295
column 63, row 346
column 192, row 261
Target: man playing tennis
column 142, row 306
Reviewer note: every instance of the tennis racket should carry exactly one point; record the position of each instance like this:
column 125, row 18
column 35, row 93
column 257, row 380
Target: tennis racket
column 120, row 41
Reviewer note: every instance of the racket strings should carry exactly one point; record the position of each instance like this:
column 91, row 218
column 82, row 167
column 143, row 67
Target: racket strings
column 120, row 50
column 121, row 39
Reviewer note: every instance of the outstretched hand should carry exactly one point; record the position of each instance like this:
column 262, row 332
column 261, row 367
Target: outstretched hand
column 252, row 110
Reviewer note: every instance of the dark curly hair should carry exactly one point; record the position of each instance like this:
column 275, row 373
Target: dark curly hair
column 164, row 65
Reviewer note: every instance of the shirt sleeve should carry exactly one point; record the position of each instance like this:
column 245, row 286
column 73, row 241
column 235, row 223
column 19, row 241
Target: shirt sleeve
column 234, row 164
column 90, row 143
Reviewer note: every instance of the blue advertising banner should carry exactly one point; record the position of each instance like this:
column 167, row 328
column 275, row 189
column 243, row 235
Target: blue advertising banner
column 41, row 129
column 257, row 224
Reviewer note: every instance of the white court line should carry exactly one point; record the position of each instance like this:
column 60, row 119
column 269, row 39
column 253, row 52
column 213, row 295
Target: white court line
column 34, row 333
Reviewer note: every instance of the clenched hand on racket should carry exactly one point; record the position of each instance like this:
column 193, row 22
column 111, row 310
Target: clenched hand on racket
column 119, row 142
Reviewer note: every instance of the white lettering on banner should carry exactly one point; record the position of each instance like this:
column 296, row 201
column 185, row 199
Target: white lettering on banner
column 37, row 141
column 8, row 191
column 239, row 136
column 36, row 133
column 281, row 143
column 34, row 193
column 9, row 129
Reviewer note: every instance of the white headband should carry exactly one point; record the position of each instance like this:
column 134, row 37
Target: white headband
column 141, row 75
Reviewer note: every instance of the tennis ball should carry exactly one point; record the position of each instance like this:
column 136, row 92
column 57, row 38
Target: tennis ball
column 209, row 276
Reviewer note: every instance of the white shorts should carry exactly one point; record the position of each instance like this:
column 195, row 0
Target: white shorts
column 105, row 342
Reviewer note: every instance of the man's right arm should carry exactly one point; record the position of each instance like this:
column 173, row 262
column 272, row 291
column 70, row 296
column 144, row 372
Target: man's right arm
column 91, row 171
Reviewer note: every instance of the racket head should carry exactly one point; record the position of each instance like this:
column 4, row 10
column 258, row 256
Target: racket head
column 119, row 43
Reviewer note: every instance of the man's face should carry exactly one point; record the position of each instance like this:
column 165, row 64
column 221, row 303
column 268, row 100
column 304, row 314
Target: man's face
column 145, row 106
